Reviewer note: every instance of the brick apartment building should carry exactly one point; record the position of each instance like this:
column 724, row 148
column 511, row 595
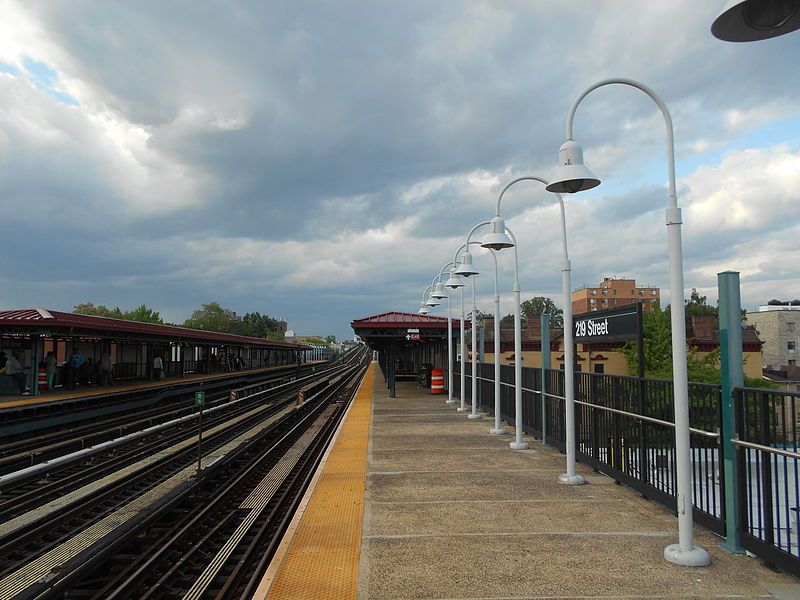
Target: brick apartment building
column 612, row 293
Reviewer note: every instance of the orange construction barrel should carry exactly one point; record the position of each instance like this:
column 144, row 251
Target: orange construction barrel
column 42, row 382
column 437, row 381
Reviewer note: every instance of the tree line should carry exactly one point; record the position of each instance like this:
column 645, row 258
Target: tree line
column 209, row 317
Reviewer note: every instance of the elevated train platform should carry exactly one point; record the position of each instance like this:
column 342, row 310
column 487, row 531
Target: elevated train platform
column 434, row 506
column 63, row 394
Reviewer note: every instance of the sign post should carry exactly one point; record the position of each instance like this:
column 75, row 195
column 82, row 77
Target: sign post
column 732, row 371
column 200, row 401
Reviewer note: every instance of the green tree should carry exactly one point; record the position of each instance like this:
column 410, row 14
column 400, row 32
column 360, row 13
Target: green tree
column 143, row 314
column 542, row 305
column 274, row 335
column 100, row 310
column 657, row 345
column 316, row 340
column 257, row 325
column 507, row 321
column 658, row 351
column 331, row 339
column 213, row 317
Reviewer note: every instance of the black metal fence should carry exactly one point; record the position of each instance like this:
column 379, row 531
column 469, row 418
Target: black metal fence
column 625, row 428
column 768, row 463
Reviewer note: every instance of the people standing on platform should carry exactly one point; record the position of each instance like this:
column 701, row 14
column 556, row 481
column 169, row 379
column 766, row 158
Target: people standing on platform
column 14, row 368
column 158, row 366
column 74, row 363
column 105, row 370
column 86, row 372
column 51, row 369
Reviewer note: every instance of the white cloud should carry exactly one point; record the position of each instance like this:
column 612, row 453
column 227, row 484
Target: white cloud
column 274, row 149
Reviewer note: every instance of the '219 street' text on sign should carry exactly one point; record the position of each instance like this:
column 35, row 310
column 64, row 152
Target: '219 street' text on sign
column 619, row 325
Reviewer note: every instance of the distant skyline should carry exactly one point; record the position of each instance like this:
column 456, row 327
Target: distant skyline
column 320, row 162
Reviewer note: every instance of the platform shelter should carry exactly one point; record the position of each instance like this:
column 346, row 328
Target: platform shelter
column 407, row 343
column 132, row 346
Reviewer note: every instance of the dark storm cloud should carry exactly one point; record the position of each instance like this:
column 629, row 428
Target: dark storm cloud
column 311, row 122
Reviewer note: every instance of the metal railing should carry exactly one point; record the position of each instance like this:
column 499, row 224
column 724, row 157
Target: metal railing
column 624, row 428
column 768, row 462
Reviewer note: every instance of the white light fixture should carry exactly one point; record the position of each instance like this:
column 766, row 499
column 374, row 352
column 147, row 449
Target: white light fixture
column 423, row 310
column 571, row 176
column 498, row 238
column 465, row 268
column 454, row 281
column 431, row 301
column 438, row 291
column 754, row 20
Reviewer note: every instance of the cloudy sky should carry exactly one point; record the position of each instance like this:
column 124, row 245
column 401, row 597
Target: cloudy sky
column 320, row 161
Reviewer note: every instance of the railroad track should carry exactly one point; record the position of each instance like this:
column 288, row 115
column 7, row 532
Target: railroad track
column 157, row 511
column 25, row 490
column 26, row 450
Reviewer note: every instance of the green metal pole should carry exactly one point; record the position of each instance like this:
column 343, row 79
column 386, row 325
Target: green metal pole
column 545, row 345
column 732, row 375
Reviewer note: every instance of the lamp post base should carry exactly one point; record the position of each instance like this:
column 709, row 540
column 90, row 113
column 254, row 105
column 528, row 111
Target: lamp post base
column 500, row 431
column 519, row 445
column 567, row 479
column 463, row 408
column 696, row 557
column 450, row 401
column 474, row 417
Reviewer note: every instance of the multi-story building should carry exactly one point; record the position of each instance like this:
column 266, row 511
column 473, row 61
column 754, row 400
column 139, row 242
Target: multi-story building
column 778, row 325
column 612, row 293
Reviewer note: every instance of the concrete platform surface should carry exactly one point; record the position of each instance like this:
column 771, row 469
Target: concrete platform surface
column 452, row 513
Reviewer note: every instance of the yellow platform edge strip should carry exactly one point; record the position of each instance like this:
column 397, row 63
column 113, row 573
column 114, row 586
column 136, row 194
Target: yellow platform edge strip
column 322, row 559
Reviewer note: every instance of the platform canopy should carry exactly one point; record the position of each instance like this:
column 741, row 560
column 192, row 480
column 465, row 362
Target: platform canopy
column 39, row 321
column 405, row 342
column 132, row 345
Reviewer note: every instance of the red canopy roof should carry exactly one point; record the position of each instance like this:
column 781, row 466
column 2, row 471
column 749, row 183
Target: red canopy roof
column 34, row 319
column 402, row 320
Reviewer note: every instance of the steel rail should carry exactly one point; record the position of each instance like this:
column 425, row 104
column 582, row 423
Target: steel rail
column 613, row 410
column 772, row 450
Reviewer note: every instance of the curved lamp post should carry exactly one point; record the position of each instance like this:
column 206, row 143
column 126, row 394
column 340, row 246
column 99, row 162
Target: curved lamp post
column 498, row 240
column 424, row 307
column 753, row 20
column 469, row 270
column 456, row 282
column 439, row 292
column 572, row 176
column 465, row 269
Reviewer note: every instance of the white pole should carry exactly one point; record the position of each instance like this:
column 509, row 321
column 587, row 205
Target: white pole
column 449, row 352
column 684, row 552
column 474, row 414
column 497, row 429
column 570, row 477
column 517, row 444
column 462, row 349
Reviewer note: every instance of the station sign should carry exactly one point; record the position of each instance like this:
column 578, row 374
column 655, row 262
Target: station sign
column 413, row 337
column 613, row 325
column 200, row 398
column 412, row 331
